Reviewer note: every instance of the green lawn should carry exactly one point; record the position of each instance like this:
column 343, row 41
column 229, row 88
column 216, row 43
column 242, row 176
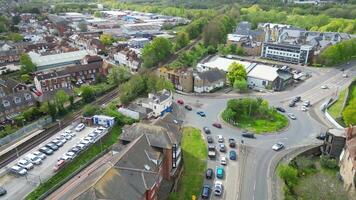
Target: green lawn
column 79, row 161
column 336, row 108
column 194, row 156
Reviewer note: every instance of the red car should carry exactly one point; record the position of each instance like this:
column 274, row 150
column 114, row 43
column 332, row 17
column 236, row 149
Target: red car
column 180, row 101
column 217, row 125
column 59, row 165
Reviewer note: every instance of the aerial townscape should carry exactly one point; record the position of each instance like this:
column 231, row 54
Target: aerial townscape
column 177, row 100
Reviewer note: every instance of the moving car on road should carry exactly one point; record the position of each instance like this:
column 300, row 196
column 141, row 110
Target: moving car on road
column 297, row 99
column 291, row 104
column 324, row 87
column 292, row 116
column 223, row 160
column 206, row 130
column 304, row 108
column 306, row 103
column 220, row 172
column 248, row 135
column 218, row 188
column 220, row 139
column 280, row 109
column 205, row 194
column 180, row 101
column 188, row 107
column 278, row 146
column 232, row 155
column 209, row 173
column 2, row 191
column 217, row 125
column 232, row 142
column 210, row 139
column 17, row 170
column 201, row 113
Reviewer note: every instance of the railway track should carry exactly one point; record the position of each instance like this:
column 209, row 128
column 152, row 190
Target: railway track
column 23, row 148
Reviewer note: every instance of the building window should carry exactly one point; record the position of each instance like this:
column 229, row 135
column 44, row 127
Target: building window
column 264, row 83
column 6, row 103
column 28, row 96
column 17, row 100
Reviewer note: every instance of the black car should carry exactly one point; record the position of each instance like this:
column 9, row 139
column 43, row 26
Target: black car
column 209, row 174
column 210, row 139
column 52, row 146
column 248, row 135
column 280, row 109
column 188, row 107
column 232, row 142
column 46, row 150
column 206, row 130
column 321, row 136
column 205, row 194
column 2, row 191
column 296, row 99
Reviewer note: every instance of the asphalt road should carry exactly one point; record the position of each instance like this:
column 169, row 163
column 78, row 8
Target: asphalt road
column 248, row 177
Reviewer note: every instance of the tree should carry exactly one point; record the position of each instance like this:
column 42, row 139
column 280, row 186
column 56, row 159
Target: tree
column 71, row 100
column 90, row 110
column 83, row 27
column 97, row 14
column 236, row 72
column 16, row 37
column 26, row 78
column 87, row 93
column 240, row 85
column 349, row 113
column 288, row 174
column 26, row 64
column 118, row 75
column 60, row 98
column 107, row 39
column 159, row 49
column 182, row 40
column 240, row 51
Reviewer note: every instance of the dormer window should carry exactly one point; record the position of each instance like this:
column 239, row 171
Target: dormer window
column 28, row 96
column 17, row 100
column 6, row 103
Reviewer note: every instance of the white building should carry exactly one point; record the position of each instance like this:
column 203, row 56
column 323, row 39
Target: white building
column 160, row 102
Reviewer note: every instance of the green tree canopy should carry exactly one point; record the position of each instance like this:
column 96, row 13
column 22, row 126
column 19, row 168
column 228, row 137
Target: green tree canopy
column 97, row 14
column 153, row 53
column 26, row 64
column 16, row 37
column 182, row 40
column 288, row 174
column 60, row 98
column 107, row 39
column 118, row 75
column 236, row 72
column 87, row 93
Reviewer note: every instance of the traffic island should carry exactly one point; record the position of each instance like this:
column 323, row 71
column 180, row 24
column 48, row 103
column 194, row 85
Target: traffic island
column 254, row 115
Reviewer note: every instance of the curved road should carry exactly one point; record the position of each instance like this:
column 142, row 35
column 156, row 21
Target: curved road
column 247, row 178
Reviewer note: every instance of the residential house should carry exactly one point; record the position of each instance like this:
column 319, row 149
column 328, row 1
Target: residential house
column 182, row 79
column 209, row 81
column 334, row 142
column 160, row 102
column 348, row 161
column 136, row 111
column 128, row 57
column 14, row 98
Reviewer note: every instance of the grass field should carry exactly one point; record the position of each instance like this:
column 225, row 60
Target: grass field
column 336, row 108
column 194, row 155
column 264, row 126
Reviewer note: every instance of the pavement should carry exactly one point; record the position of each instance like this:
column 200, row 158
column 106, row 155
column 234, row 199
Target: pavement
column 247, row 178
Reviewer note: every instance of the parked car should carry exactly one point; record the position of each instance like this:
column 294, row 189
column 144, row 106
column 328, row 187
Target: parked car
column 321, row 136
column 93, row 135
column 17, row 170
column 232, row 142
column 188, row 107
column 219, row 172
column 75, row 150
column 79, row 127
column 248, row 135
column 58, row 142
column 180, row 101
column 280, row 109
column 278, row 146
column 42, row 156
column 220, row 139
column 218, row 188
column 2, row 191
column 62, row 139
column 222, row 147
column 292, row 116
column 81, row 146
column 33, row 159
column 217, row 125
column 65, row 158
column 209, row 173
column 46, row 150
column 52, row 146
column 86, row 143
column 324, row 87
column 304, row 108
column 66, row 136
column 232, row 155
column 25, row 164
column 297, row 99
column 71, row 133
column 345, row 75
column 306, row 103
column 90, row 139
column 59, row 165
column 210, row 139
column 201, row 113
column 71, row 154
column 223, row 160
column 291, row 104
column 205, row 194
column 206, row 130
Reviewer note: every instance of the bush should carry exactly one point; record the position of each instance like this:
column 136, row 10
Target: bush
column 328, row 163
column 288, row 174
column 305, row 165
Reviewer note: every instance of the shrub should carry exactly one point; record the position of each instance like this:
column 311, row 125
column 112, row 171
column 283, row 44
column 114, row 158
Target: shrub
column 327, row 162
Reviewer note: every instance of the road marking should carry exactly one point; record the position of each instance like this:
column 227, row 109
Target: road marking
column 254, row 186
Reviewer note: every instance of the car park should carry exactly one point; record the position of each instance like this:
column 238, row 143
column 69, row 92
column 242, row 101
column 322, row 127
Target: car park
column 220, row 139
column 180, row 101
column 33, row 159
column 42, row 156
column 217, row 125
column 280, row 109
column 248, row 135
column 188, row 107
column 220, row 172
column 79, row 127
column 58, row 142
column 209, row 174
column 2, row 191
column 232, row 155
column 232, row 143
column 59, row 165
column 52, row 146
column 25, row 164
column 222, row 148
column 210, row 139
column 223, row 160
column 292, row 116
column 205, row 194
column 17, row 170
column 46, row 150
column 206, row 130
column 278, row 146
column 201, row 113
column 218, row 188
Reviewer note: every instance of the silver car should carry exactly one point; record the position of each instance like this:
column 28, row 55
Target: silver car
column 18, row 170
column 25, row 164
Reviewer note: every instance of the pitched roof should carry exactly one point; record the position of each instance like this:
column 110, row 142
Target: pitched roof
column 211, row 76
